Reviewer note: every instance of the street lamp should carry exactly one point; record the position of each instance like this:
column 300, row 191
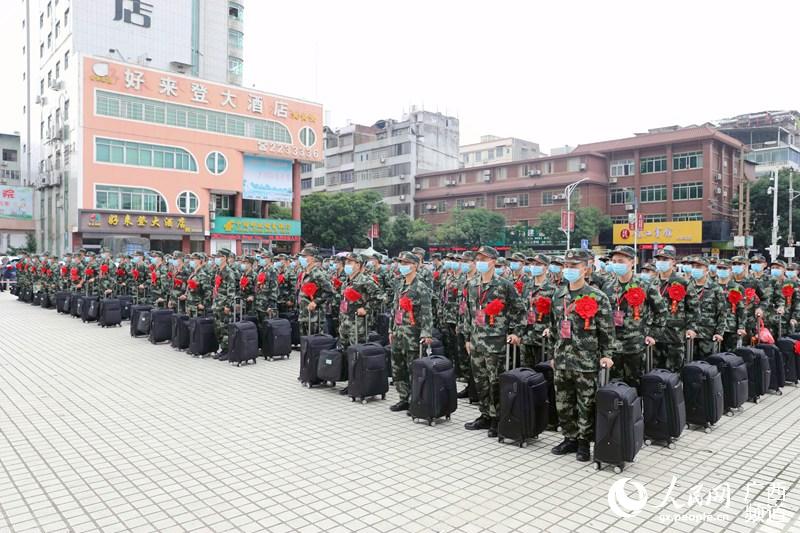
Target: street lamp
column 568, row 190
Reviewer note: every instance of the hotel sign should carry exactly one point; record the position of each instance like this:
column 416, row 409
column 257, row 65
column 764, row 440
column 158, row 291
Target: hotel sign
column 267, row 228
column 133, row 12
column 127, row 222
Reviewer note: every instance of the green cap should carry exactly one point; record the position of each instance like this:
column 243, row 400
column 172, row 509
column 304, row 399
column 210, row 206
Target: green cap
column 419, row 251
column 724, row 263
column 310, row 251
column 468, row 256
column 739, row 259
column 669, row 253
column 627, row 251
column 758, row 258
column 543, row 259
column 698, row 260
column 358, row 258
column 487, row 251
column 577, row 255
column 437, row 255
column 516, row 256
column 224, row 251
column 408, row 257
column 778, row 262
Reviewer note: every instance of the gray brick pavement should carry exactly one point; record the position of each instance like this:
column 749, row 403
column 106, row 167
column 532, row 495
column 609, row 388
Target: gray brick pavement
column 102, row 432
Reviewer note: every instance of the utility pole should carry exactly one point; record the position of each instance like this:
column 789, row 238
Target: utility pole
column 741, row 201
column 568, row 190
column 773, row 249
column 791, row 200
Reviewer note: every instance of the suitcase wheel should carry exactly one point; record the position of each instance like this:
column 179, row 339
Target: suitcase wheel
column 597, row 465
column 618, row 469
column 432, row 423
column 363, row 401
column 352, row 399
column 730, row 413
column 671, row 446
column 501, row 440
column 779, row 392
column 647, row 442
column 383, row 396
column 707, row 429
column 523, row 444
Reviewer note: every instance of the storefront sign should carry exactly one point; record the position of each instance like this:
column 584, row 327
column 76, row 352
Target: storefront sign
column 267, row 179
column 267, row 228
column 661, row 233
column 134, row 12
column 16, row 202
column 125, row 222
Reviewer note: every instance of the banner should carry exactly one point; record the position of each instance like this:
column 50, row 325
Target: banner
column 267, row 179
column 16, row 202
column 690, row 232
column 268, row 228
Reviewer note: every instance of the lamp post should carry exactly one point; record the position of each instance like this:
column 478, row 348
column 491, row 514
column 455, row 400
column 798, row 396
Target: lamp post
column 568, row 190
column 773, row 249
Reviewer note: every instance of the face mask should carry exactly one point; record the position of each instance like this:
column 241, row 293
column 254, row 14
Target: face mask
column 620, row 269
column 646, row 276
column 738, row 270
column 757, row 267
column 242, row 266
column 572, row 274
column 153, row 260
column 514, row 266
column 173, row 262
column 303, row 261
column 348, row 269
column 775, row 272
column 712, row 268
column 292, row 264
column 332, row 266
column 262, row 262
column 555, row 269
column 193, row 264
column 464, row 267
column 136, row 259
column 537, row 270
column 599, row 265
column 86, row 259
column 106, row 256
column 609, row 268
column 791, row 274
column 482, row 266
column 723, row 273
column 698, row 273
column 218, row 261
column 662, row 266
column 384, row 267
column 404, row 269
column 687, row 269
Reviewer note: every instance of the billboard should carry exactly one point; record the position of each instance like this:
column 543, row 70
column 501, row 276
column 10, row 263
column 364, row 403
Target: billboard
column 16, row 202
column 268, row 228
column 661, row 233
column 267, row 179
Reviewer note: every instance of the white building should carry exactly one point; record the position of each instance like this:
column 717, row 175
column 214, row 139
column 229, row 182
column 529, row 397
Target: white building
column 202, row 38
column 385, row 157
column 493, row 149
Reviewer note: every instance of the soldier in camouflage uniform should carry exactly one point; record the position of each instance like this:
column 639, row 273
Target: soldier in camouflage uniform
column 709, row 306
column 424, row 273
column 466, row 273
column 138, row 278
column 411, row 325
column 582, row 345
column 90, row 274
column 158, row 281
column 753, row 295
column 735, row 317
column 266, row 289
column 555, row 270
column 226, row 284
column 535, row 298
column 356, row 314
column 783, row 308
column 199, row 287
column 312, row 279
column 247, row 284
column 286, row 283
column 498, row 316
column 670, row 350
column 448, row 311
column 180, row 274
column 636, row 325
column 106, row 281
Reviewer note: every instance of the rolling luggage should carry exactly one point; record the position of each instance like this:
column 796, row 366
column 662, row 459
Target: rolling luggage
column 179, row 326
column 796, row 359
column 140, row 320
column 62, row 302
column 619, row 424
column 90, row 308
column 37, row 299
column 735, row 388
column 202, row 337
column 110, row 313
column 383, row 326
column 160, row 325
column 524, row 404
column 662, row 403
column 47, row 301
column 310, row 348
column 777, row 380
column 702, row 390
column 295, row 324
column 543, row 367
column 125, row 303
column 433, row 388
column 787, row 347
column 242, row 338
column 387, row 350
column 365, row 369
column 758, row 372
column 437, row 347
column 332, row 366
column 276, row 339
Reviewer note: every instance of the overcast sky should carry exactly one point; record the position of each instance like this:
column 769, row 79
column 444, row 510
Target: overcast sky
column 550, row 71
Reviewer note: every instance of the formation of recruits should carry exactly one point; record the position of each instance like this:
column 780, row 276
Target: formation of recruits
column 578, row 310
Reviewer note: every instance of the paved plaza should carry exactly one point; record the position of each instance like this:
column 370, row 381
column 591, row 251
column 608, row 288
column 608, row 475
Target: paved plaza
column 102, row 432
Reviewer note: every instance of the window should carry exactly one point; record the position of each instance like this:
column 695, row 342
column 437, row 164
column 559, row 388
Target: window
column 346, row 176
column 619, row 219
column 129, row 199
column 401, row 209
column 685, row 217
column 653, row 193
column 687, row 160
column 41, row 50
column 499, row 151
column 58, row 69
column 489, row 154
column 235, row 39
column 66, row 17
column 305, row 167
column 49, row 78
column 66, row 110
column 41, row 86
column 143, row 155
column 687, row 191
column 235, row 65
column 50, row 40
column 573, row 164
column 650, row 165
column 523, row 200
column 305, row 184
column 622, row 167
column 9, row 155
column 188, row 202
column 547, row 197
column 441, row 206
column 655, row 218
column 222, row 202
column 66, row 60
column 216, row 163
column 319, row 181
column 41, row 20
column 235, row 11
column 499, row 202
column 49, row 9
column 465, row 155
column 477, row 156
column 130, row 107
column 307, row 137
column 58, row 29
column 548, row 167
column 619, row 196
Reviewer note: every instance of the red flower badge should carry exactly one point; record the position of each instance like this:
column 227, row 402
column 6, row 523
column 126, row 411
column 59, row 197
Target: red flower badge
column 135, row 273
column 104, row 270
column 153, row 277
column 352, row 295
column 217, row 282
column 281, row 279
column 309, row 289
column 192, row 285
column 676, row 293
column 635, row 297
column 494, row 308
column 177, row 282
column 244, row 281
column 797, row 347
column 89, row 272
column 543, row 305
column 436, row 275
column 336, row 282
column 788, row 291
column 734, row 297
column 120, row 272
column 519, row 285
column 408, row 306
column 63, row 271
column 262, row 278
column 73, row 273
column 586, row 307
column 750, row 296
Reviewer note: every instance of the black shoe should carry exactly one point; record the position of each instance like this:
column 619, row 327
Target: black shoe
column 566, row 446
column 583, row 454
column 482, row 422
column 463, row 394
column 343, row 392
column 399, row 406
column 492, row 434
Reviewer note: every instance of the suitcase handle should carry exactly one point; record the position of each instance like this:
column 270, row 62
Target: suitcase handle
column 515, row 359
column 689, row 350
column 648, row 358
column 602, row 376
column 716, row 347
column 422, row 347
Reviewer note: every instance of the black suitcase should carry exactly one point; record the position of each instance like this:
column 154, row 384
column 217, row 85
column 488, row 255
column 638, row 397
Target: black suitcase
column 433, row 388
column 366, row 372
column 662, row 403
column 77, row 310
column 277, row 338
column 524, row 404
column 332, row 366
column 786, row 346
column 383, row 325
column 140, row 320
column 242, row 342
column 74, row 300
column 295, row 324
column 160, row 325
column 62, row 302
column 735, row 388
column 47, row 301
column 125, row 303
column 796, row 359
column 110, row 313
column 702, row 389
column 777, row 379
column 90, row 308
column 619, row 424
column 544, row 368
column 37, row 299
column 758, row 372
column 436, row 347
column 202, row 337
column 180, row 332
column 387, row 350
column 310, row 348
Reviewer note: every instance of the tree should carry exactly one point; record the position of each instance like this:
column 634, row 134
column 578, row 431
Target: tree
column 761, row 211
column 342, row 220
column 550, row 226
column 589, row 222
column 403, row 234
column 472, row 227
column 280, row 212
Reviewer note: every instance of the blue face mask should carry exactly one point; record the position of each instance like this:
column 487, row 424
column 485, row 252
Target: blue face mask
column 153, row 260
column 662, row 266
column 292, row 264
column 193, row 264
column 243, row 266
column 218, row 261
column 262, row 262
column 555, row 269
column 712, row 268
column 791, row 274
column 404, row 269
column 86, row 259
column 600, row 265
column 609, row 268
column 686, row 269
column 775, row 272
column 737, row 270
column 698, row 273
column 303, row 261
column 482, row 266
column 646, row 276
column 465, row 267
column 384, row 267
column 514, row 266
column 757, row 267
column 620, row 269
column 572, row 274
column 332, row 266
column 136, row 259
column 723, row 273
column 537, row 270
column 348, row 269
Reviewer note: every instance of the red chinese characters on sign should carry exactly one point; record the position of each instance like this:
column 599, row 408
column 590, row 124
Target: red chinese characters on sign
column 567, row 220
column 8, row 193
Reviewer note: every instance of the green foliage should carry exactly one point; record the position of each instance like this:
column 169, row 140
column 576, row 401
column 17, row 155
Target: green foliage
column 280, row 212
column 30, row 243
column 342, row 220
column 472, row 227
column 589, row 222
column 761, row 210
column 403, row 234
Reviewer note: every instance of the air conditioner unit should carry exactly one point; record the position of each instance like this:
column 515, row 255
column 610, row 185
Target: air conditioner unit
column 487, row 175
column 718, row 190
column 510, row 200
column 613, row 180
column 534, row 172
column 583, row 166
column 724, row 194
column 450, row 183
column 430, row 207
column 471, row 203
column 403, row 176
column 418, row 186
column 41, row 100
column 402, row 197
column 718, row 177
column 560, row 196
column 628, row 207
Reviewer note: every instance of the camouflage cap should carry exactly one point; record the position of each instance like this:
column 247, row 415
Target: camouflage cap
column 89, row 254
column 224, row 251
column 713, row 260
column 516, row 256
column 669, row 253
column 408, row 257
column 501, row 261
column 778, row 262
column 417, row 250
column 80, row 251
column 198, row 255
column 437, row 255
column 468, row 256
column 724, row 263
column 487, row 251
column 791, row 266
column 156, row 253
column 450, row 255
column 543, row 259
column 648, row 266
column 557, row 260
column 177, row 255
column 281, row 257
column 698, row 260
column 758, row 258
column 358, row 258
column 249, row 258
column 577, row 255
column 310, row 251
column 739, row 259
column 627, row 251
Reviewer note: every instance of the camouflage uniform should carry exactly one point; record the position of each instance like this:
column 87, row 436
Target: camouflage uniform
column 735, row 316
column 199, row 288
column 536, row 323
column 709, row 303
column 266, row 290
column 670, row 350
column 448, row 317
column 226, row 284
column 313, row 322
column 353, row 329
column 247, row 287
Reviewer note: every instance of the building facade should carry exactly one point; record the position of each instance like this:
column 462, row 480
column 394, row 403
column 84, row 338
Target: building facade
column 16, row 201
column 772, row 137
column 385, row 157
column 493, row 149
